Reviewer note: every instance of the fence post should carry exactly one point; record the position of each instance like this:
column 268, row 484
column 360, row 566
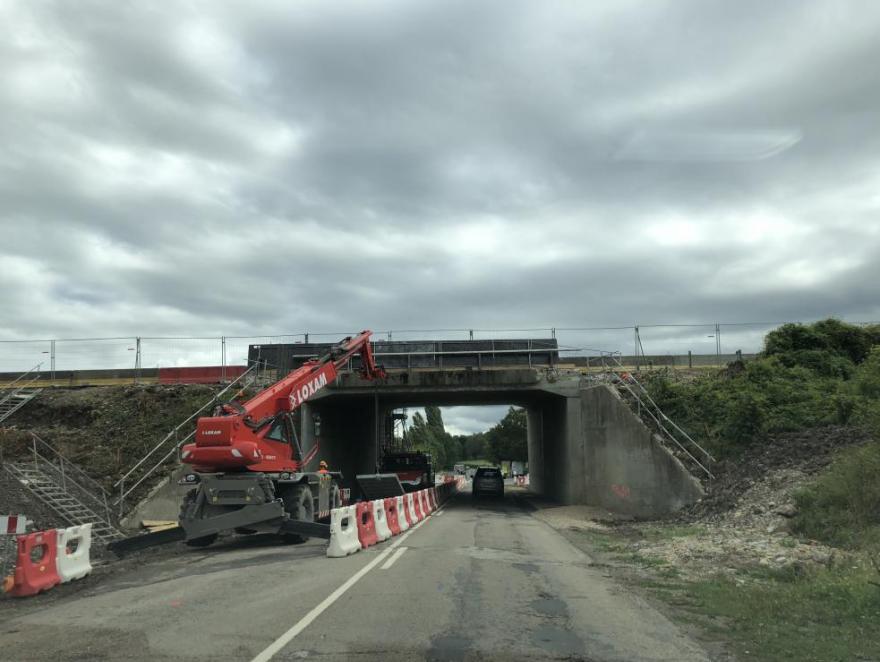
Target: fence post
column 222, row 358
column 52, row 359
column 636, row 345
column 690, row 359
column 137, row 359
column 471, row 332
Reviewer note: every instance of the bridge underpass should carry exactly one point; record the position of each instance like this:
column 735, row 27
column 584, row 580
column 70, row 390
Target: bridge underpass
column 585, row 445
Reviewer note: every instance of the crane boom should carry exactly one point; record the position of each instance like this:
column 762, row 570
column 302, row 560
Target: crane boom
column 249, row 467
column 257, row 435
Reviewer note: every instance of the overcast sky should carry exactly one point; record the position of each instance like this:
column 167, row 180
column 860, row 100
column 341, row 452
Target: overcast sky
column 207, row 168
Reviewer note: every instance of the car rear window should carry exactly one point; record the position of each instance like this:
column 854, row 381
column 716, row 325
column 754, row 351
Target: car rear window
column 488, row 473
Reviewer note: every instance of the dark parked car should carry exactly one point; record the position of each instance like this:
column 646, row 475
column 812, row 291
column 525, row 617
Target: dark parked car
column 488, row 480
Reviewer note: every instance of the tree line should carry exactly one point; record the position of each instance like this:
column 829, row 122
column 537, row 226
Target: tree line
column 504, row 441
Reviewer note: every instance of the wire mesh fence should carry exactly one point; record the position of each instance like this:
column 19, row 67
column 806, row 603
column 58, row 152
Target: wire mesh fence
column 672, row 344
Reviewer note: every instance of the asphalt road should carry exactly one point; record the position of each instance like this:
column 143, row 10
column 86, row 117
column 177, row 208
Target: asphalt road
column 477, row 581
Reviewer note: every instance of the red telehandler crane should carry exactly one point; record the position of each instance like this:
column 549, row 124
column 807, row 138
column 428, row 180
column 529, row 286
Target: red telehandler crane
column 249, row 468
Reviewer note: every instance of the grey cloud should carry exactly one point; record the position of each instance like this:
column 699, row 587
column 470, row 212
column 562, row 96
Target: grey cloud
column 215, row 168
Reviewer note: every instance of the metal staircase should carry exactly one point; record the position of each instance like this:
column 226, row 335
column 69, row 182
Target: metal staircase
column 666, row 431
column 20, row 392
column 65, row 488
column 179, row 435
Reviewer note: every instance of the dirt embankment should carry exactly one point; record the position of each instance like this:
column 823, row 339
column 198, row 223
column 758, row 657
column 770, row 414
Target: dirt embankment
column 102, row 429
column 744, row 519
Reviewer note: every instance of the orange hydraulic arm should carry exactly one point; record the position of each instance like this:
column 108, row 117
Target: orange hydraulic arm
column 245, row 436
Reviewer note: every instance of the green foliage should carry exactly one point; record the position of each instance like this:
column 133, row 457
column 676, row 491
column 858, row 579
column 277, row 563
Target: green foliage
column 427, row 433
column 508, row 439
column 474, row 446
column 842, row 507
column 731, row 411
column 825, row 616
column 829, row 347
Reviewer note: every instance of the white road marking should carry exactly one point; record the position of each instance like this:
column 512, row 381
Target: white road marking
column 270, row 651
column 438, row 513
column 394, row 557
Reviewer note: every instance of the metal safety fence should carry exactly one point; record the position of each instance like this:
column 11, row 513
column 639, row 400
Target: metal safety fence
column 713, row 343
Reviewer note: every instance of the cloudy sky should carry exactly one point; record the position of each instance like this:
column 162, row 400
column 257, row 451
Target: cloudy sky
column 208, row 168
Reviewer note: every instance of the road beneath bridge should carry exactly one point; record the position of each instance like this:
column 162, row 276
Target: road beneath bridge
column 479, row 580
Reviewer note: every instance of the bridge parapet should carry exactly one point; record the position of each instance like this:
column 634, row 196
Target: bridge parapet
column 396, row 355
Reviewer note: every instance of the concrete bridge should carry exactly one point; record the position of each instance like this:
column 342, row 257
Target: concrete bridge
column 585, row 444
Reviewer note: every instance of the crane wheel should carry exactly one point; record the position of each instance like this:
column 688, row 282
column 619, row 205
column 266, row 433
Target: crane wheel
column 300, row 505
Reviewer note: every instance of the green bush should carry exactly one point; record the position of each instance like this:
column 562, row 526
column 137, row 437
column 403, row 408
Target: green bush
column 842, row 507
column 730, row 412
column 829, row 345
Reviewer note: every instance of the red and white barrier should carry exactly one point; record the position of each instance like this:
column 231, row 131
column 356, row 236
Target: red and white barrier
column 402, row 519
column 426, row 502
column 11, row 525
column 414, row 511
column 390, row 505
column 343, row 532
column 73, row 556
column 369, row 522
column 366, row 524
column 381, row 523
column 35, row 563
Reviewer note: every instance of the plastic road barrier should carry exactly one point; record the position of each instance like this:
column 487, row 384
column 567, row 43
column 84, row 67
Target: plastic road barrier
column 382, row 530
column 417, row 506
column 72, row 559
column 35, row 565
column 343, row 532
column 410, row 508
column 13, row 524
column 423, row 498
column 366, row 524
column 402, row 519
column 390, row 505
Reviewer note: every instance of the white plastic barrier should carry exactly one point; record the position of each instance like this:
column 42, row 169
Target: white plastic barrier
column 343, row 532
column 411, row 504
column 402, row 519
column 382, row 530
column 73, row 558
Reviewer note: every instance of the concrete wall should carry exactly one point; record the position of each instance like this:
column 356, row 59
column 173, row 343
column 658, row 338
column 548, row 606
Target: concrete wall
column 162, row 503
column 624, row 469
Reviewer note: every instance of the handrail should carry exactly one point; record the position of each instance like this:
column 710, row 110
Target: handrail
column 125, row 492
column 12, row 391
column 251, row 372
column 177, row 427
column 659, row 417
column 64, row 469
column 65, row 461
